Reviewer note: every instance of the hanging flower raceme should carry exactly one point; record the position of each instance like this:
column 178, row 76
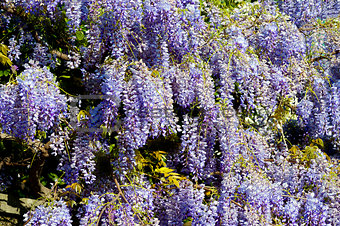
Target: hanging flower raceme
column 33, row 103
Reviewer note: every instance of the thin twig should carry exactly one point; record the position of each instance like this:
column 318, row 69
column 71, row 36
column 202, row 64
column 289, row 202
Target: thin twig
column 124, row 198
column 325, row 57
column 291, row 196
column 101, row 213
column 236, row 203
column 119, row 189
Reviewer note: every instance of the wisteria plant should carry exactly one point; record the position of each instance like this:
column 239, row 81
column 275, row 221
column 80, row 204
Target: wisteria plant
column 179, row 112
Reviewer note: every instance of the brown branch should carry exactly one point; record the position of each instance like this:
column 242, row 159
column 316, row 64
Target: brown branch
column 291, row 196
column 101, row 213
column 236, row 203
column 268, row 160
column 60, row 55
column 16, row 164
column 5, row 161
column 11, row 9
column 307, row 27
column 41, row 153
column 37, row 167
column 119, row 189
column 325, row 57
column 4, row 136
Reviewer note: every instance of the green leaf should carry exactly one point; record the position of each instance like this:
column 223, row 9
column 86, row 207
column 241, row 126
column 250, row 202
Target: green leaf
column 6, row 73
column 53, row 176
column 111, row 147
column 80, row 35
column 1, row 73
column 76, row 187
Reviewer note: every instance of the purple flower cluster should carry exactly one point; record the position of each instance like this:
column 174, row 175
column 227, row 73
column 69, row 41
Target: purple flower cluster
column 193, row 148
column 302, row 12
column 280, row 41
column 143, row 96
column 78, row 162
column 185, row 203
column 112, row 82
column 5, row 181
column 89, row 214
column 54, row 213
column 112, row 209
column 315, row 210
column 319, row 110
column 34, row 103
column 221, row 86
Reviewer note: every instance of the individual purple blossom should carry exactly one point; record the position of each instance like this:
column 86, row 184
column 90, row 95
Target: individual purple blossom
column 74, row 60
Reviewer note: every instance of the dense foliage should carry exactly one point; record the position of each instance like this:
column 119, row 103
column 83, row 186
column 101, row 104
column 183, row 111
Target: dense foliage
column 121, row 112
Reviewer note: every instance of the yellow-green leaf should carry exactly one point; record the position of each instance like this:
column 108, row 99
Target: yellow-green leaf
column 4, row 49
column 71, row 203
column 164, row 170
column 294, row 150
column 175, row 182
column 84, row 201
column 5, row 60
column 80, row 35
column 82, row 115
column 319, row 142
